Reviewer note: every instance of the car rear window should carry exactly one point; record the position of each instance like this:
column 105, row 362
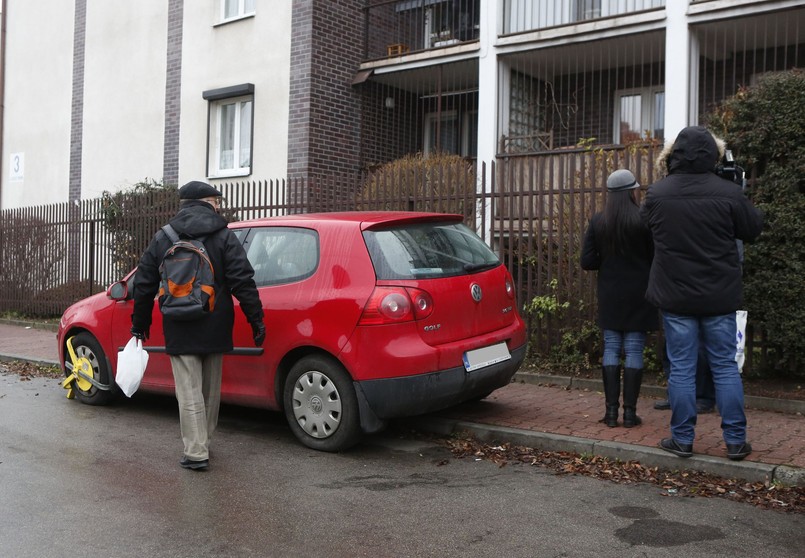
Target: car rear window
column 427, row 250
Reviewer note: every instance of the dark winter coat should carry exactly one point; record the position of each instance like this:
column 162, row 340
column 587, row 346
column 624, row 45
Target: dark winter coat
column 233, row 276
column 695, row 217
column 622, row 279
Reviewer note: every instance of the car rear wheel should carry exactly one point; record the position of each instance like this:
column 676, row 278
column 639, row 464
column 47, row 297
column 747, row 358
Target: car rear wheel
column 320, row 404
column 91, row 360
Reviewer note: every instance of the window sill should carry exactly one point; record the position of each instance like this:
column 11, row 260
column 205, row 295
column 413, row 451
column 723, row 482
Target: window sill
column 233, row 19
column 230, row 174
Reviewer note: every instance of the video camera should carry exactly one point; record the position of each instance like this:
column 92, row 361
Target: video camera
column 729, row 170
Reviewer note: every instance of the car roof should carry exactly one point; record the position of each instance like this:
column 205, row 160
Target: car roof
column 366, row 219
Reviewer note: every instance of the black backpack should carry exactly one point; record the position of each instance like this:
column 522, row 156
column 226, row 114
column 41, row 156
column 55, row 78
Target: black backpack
column 187, row 279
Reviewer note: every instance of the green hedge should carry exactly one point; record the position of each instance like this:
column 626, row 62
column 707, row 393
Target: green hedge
column 763, row 126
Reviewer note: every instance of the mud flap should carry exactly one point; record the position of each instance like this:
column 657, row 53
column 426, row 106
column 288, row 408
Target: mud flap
column 370, row 422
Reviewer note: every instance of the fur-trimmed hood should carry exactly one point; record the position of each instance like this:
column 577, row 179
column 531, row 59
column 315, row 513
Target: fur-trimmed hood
column 679, row 156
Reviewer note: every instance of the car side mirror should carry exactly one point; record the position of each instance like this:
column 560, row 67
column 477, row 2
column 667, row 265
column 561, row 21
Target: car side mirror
column 118, row 291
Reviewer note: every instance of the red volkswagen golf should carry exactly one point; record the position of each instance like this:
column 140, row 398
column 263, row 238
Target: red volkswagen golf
column 370, row 316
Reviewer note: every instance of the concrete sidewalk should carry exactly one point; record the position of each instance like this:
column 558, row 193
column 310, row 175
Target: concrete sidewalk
column 551, row 413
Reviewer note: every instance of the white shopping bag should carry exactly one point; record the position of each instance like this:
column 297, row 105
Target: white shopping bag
column 131, row 363
column 740, row 337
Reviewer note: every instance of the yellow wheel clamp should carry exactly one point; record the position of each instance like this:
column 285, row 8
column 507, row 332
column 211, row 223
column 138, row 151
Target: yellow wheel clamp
column 81, row 373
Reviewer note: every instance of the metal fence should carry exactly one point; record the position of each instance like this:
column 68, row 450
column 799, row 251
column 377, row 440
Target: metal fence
column 532, row 210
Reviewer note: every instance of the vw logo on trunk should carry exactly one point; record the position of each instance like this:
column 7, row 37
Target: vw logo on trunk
column 475, row 290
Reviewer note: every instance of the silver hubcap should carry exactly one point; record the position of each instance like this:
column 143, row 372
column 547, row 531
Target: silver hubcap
column 316, row 405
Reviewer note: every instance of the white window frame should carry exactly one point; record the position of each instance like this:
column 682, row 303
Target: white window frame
column 214, row 168
column 245, row 8
column 646, row 109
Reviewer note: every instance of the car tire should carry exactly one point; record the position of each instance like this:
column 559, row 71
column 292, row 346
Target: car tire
column 320, row 404
column 87, row 347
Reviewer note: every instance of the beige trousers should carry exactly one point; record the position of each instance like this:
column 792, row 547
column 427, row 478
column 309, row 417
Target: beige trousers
column 198, row 392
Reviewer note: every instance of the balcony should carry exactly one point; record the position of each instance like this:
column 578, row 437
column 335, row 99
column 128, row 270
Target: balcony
column 520, row 16
column 400, row 27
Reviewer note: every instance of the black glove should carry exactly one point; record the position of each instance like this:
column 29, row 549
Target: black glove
column 141, row 334
column 259, row 333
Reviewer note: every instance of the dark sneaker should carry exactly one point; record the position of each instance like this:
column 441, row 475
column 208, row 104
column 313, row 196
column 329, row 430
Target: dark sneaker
column 662, row 405
column 195, row 465
column 681, row 450
column 736, row 452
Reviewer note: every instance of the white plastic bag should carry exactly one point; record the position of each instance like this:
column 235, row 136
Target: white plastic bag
column 131, row 363
column 740, row 337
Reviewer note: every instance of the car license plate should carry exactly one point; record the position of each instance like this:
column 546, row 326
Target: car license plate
column 486, row 356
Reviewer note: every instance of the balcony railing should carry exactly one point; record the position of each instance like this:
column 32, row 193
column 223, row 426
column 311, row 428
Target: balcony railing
column 399, row 27
column 529, row 15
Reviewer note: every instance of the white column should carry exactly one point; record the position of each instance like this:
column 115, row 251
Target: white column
column 488, row 94
column 681, row 70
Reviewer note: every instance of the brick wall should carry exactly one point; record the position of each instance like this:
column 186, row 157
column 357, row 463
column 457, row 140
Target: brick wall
column 77, row 111
column 324, row 117
column 173, row 90
column 388, row 133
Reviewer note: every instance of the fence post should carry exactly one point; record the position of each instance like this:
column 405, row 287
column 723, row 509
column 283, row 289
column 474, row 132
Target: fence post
column 91, row 271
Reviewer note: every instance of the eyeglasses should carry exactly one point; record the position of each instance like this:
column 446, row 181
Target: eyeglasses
column 215, row 201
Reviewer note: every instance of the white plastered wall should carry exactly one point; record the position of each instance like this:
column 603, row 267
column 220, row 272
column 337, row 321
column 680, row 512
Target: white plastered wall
column 124, row 94
column 38, row 97
column 251, row 50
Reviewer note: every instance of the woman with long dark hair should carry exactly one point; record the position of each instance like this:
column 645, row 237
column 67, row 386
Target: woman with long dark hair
column 619, row 246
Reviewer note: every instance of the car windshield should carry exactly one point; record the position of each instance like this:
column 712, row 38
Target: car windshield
column 427, row 250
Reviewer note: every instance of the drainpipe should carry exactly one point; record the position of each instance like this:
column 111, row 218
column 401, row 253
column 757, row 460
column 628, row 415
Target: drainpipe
column 2, row 88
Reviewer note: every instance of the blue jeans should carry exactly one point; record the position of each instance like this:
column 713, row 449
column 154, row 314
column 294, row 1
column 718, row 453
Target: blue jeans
column 630, row 342
column 682, row 335
column 705, row 390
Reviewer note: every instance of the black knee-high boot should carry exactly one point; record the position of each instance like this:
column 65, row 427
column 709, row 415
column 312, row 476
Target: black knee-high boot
column 632, row 378
column 612, row 392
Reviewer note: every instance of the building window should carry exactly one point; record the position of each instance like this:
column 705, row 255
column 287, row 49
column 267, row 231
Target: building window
column 587, row 9
column 229, row 139
column 450, row 133
column 639, row 114
column 441, row 132
column 236, row 9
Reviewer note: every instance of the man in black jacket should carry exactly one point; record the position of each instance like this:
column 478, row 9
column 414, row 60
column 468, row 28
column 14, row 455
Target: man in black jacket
column 196, row 347
column 695, row 218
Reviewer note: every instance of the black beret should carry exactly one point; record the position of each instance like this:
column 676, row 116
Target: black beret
column 196, row 190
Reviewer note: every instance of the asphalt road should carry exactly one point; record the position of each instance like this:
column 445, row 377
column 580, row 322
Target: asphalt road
column 83, row 481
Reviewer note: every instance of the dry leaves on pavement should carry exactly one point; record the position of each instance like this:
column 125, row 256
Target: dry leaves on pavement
column 673, row 483
column 29, row 370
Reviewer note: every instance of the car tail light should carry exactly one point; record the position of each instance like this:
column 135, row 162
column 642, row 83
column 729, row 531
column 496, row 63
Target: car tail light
column 423, row 303
column 396, row 304
column 509, row 286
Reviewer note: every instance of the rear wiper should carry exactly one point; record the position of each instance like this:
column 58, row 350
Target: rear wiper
column 472, row 268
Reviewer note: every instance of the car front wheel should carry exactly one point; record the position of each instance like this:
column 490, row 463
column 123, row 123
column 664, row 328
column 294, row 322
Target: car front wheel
column 91, row 360
column 320, row 404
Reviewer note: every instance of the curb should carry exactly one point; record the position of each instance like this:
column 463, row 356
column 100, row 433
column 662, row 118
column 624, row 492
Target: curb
column 790, row 406
column 26, row 324
column 649, row 456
